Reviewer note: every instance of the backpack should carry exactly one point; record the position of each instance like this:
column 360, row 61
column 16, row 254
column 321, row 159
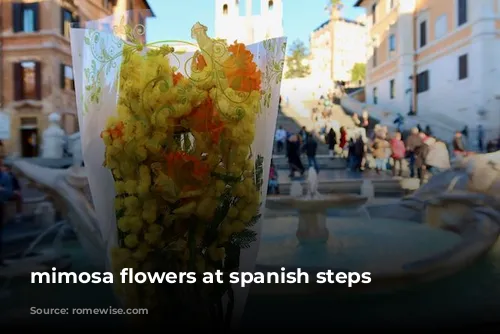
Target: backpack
column 398, row 149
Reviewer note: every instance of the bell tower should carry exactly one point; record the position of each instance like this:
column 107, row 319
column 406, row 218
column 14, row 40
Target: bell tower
column 272, row 11
column 227, row 13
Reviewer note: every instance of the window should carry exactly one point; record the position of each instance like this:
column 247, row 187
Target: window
column 374, row 13
column 374, row 57
column 392, row 89
column 25, row 17
column 67, row 80
column 463, row 70
column 66, row 21
column 392, row 43
column 441, row 26
column 270, row 5
column 130, row 4
column 423, row 33
column 423, row 82
column 461, row 12
column 390, row 5
column 225, row 9
column 375, row 98
column 27, row 81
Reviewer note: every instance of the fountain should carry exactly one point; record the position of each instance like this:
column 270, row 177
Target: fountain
column 442, row 228
column 312, row 209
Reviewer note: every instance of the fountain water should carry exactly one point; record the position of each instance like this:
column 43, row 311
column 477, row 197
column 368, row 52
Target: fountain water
column 312, row 209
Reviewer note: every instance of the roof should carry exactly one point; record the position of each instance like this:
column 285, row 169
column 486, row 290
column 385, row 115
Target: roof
column 339, row 19
column 148, row 7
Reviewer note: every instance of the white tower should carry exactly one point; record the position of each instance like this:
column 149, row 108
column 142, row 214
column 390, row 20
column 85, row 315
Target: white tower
column 272, row 12
column 249, row 28
column 227, row 13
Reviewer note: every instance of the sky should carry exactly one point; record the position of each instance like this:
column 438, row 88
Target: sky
column 174, row 18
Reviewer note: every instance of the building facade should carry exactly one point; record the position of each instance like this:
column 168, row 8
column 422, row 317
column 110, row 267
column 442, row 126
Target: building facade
column 336, row 46
column 435, row 58
column 248, row 28
column 36, row 77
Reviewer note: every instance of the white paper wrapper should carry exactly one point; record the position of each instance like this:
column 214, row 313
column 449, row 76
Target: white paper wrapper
column 97, row 55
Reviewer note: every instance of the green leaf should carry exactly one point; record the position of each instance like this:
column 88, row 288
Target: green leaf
column 259, row 171
column 253, row 221
column 87, row 40
column 243, row 239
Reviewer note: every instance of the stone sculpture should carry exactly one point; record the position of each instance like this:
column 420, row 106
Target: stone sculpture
column 53, row 139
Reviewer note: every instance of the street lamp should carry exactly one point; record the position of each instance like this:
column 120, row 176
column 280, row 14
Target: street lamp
column 410, row 91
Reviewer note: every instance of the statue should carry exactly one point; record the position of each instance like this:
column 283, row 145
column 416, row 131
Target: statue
column 53, row 139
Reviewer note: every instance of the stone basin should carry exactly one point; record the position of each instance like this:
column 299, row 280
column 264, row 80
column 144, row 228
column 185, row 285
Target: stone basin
column 315, row 204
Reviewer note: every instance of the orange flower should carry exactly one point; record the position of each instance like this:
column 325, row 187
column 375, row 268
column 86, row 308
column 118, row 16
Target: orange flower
column 186, row 168
column 115, row 131
column 177, row 77
column 205, row 118
column 200, row 62
column 240, row 69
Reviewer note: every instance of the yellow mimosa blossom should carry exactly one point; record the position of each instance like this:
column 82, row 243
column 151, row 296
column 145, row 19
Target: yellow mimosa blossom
column 180, row 151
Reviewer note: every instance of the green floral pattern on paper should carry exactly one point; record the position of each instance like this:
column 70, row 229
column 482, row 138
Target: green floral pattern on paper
column 274, row 67
column 106, row 50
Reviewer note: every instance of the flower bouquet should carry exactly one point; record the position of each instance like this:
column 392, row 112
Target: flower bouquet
column 177, row 147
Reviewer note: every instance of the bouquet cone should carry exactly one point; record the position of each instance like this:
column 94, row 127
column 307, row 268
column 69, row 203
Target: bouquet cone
column 177, row 146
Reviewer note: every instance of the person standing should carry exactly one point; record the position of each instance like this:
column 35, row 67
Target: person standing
column 280, row 138
column 343, row 139
column 303, row 135
column 438, row 157
column 413, row 142
column 428, row 130
column 365, row 120
column 331, row 140
column 356, row 120
column 6, row 192
column 379, row 151
column 480, row 138
column 273, row 186
column 310, row 148
column 399, row 121
column 293, row 155
column 398, row 154
column 458, row 145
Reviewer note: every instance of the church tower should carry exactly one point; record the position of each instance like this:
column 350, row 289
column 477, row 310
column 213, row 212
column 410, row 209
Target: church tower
column 227, row 13
column 248, row 28
column 272, row 12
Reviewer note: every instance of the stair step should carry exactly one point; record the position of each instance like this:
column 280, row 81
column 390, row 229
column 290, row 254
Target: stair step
column 324, row 162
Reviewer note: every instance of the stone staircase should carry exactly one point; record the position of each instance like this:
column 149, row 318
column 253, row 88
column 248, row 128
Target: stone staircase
column 293, row 121
column 324, row 162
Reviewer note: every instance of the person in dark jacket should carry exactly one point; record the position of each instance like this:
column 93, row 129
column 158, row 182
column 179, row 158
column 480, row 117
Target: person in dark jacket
column 6, row 191
column 331, row 140
column 428, row 130
column 413, row 142
column 310, row 148
column 16, row 193
column 293, row 155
